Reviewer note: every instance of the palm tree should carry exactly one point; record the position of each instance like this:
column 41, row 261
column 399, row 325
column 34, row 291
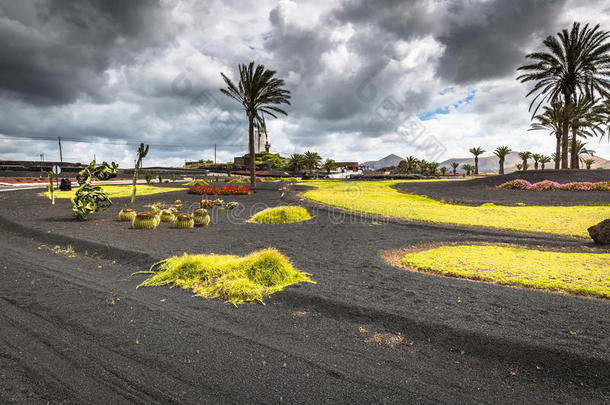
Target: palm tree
column 312, row 160
column 468, row 167
column 256, row 91
column 536, row 157
column 588, row 162
column 524, row 156
column 576, row 64
column 411, row 163
column 443, row 170
column 296, row 162
column 433, row 167
column 581, row 149
column 543, row 160
column 501, row 152
column 476, row 152
column 454, row 166
column 329, row 165
column 519, row 166
column 423, row 166
column 551, row 120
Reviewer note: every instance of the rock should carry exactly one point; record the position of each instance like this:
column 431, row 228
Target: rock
column 600, row 233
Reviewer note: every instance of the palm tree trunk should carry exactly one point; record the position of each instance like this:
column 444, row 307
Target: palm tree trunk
column 501, row 166
column 476, row 165
column 574, row 151
column 566, row 130
column 557, row 150
column 252, row 154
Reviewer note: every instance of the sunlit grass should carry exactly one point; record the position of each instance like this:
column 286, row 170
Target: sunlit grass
column 231, row 278
column 281, row 215
column 377, row 197
column 574, row 273
column 120, row 191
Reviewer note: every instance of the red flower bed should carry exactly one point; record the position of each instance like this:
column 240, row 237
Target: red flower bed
column 224, row 190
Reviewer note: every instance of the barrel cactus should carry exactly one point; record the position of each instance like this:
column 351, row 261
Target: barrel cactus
column 201, row 217
column 145, row 220
column 127, row 214
column 167, row 216
column 184, row 221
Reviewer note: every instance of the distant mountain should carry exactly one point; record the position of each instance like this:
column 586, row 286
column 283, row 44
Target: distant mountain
column 489, row 164
column 388, row 161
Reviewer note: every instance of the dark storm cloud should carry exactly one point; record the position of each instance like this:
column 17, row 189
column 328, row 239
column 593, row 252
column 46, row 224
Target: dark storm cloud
column 53, row 52
column 482, row 39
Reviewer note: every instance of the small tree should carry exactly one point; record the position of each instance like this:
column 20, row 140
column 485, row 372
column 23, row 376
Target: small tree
column 412, row 163
column 454, row 167
column 519, row 166
column 543, row 160
column 443, row 170
column 329, row 165
column 476, row 152
column 588, row 162
column 229, row 168
column 433, row 166
column 536, row 157
column 501, row 152
column 468, row 167
column 142, row 152
column 524, row 156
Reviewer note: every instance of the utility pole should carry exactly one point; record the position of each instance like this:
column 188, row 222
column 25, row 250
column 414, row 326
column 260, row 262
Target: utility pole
column 214, row 153
column 41, row 160
column 61, row 158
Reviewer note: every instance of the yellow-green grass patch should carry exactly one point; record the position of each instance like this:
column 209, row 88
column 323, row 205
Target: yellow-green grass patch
column 231, row 278
column 281, row 215
column 120, row 191
column 378, row 197
column 573, row 273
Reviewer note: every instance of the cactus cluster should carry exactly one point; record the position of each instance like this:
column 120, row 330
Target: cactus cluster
column 145, row 220
column 184, row 221
column 167, row 216
column 201, row 217
column 127, row 214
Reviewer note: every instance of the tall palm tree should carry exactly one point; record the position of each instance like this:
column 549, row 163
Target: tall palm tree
column 576, row 63
column 257, row 91
column 501, row 152
column 476, row 152
column 544, row 160
column 524, row 156
column 296, row 162
column 581, row 149
column 423, row 166
column 411, row 163
column 551, row 120
column 312, row 160
column 454, row 166
column 329, row 165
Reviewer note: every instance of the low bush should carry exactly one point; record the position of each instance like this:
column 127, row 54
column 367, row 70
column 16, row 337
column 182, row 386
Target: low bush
column 288, row 179
column 548, row 185
column 231, row 278
column 223, row 190
column 198, row 182
column 281, row 215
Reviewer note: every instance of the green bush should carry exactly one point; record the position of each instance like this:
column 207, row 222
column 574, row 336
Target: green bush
column 281, row 215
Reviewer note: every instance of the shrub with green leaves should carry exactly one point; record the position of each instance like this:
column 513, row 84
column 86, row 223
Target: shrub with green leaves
column 281, row 215
column 90, row 198
column 231, row 278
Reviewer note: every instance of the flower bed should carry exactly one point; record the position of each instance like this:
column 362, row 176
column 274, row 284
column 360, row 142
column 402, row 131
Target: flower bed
column 224, row 190
column 546, row 185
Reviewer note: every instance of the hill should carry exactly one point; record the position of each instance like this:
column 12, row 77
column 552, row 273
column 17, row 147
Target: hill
column 388, row 161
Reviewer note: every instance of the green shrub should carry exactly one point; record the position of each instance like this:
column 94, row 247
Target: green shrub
column 198, row 182
column 231, row 278
column 281, row 215
column 288, row 179
column 148, row 178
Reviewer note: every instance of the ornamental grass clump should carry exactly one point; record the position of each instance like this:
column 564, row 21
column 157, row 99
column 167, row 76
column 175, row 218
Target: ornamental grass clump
column 231, row 278
column 198, row 182
column 201, row 217
column 145, row 220
column 281, row 215
column 127, row 214
column 167, row 216
column 184, row 221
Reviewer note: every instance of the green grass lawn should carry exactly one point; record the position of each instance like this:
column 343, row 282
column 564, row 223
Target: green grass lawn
column 575, row 273
column 119, row 191
column 377, row 197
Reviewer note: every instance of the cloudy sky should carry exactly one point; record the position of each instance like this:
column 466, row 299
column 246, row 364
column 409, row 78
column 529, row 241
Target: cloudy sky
column 368, row 78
